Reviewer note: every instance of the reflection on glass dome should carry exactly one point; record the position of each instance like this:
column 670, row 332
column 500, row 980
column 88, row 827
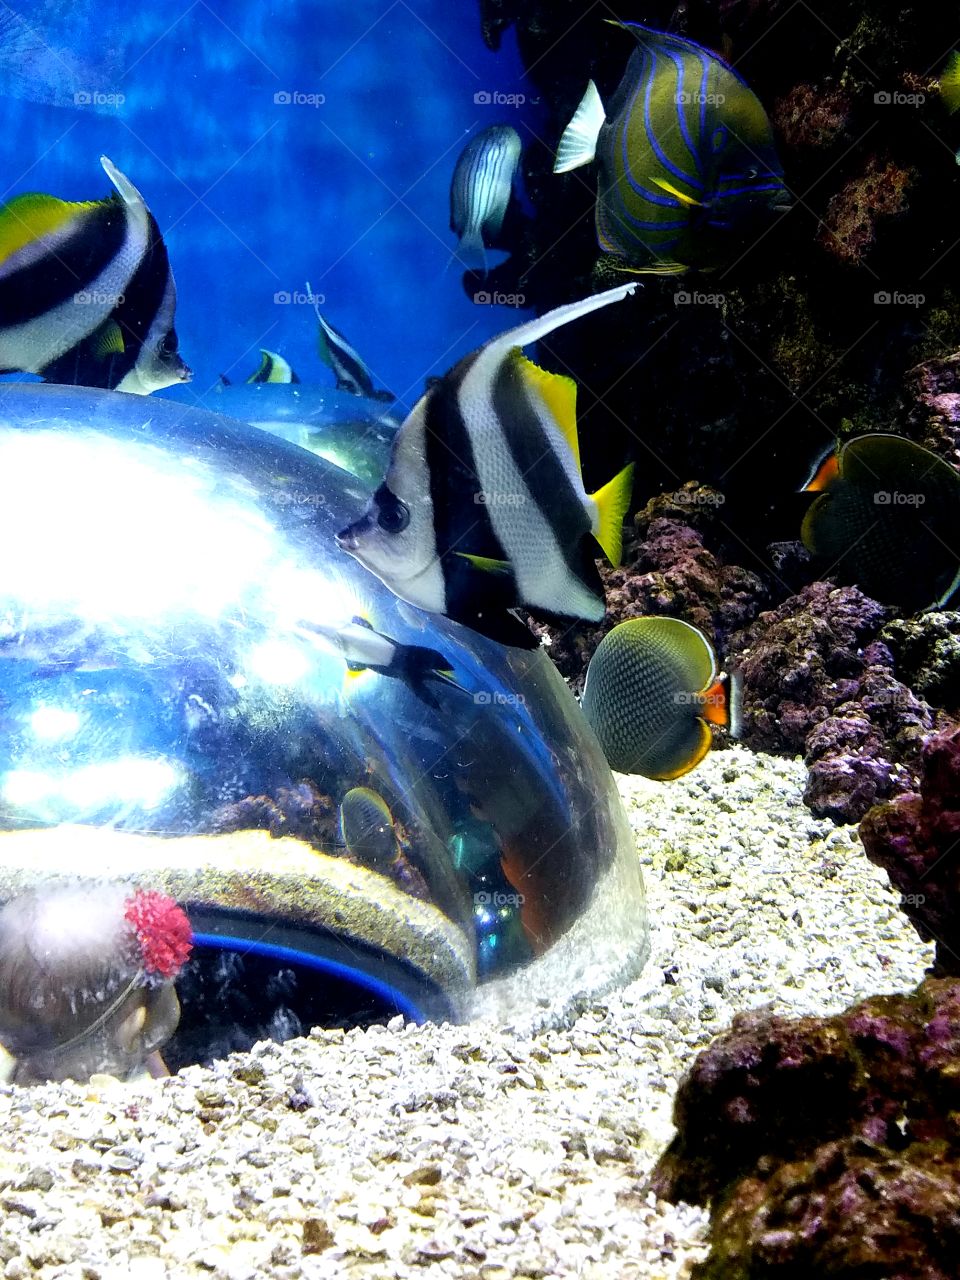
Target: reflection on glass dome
column 363, row 809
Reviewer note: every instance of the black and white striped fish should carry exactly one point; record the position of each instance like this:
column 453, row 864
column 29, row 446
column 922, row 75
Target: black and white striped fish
column 483, row 507
column 273, row 368
column 86, row 291
column 352, row 374
column 480, row 192
column 364, row 649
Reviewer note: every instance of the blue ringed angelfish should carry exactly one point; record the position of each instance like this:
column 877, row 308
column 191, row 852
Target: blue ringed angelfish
column 685, row 156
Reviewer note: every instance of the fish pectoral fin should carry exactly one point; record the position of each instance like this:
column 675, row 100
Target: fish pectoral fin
column 950, row 83
column 108, row 341
column 578, row 143
column 682, row 196
column 486, row 564
column 612, row 501
column 559, row 394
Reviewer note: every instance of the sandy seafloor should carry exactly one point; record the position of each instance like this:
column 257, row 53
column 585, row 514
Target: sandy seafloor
column 462, row 1151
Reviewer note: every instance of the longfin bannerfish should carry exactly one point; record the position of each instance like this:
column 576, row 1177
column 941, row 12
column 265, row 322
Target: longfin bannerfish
column 483, row 507
column 651, row 693
column 86, row 291
column 272, row 368
column 480, row 190
column 685, row 153
column 885, row 516
column 365, row 649
column 348, row 367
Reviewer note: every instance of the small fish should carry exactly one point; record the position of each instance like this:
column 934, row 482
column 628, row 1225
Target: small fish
column 950, row 83
column 886, row 518
column 686, row 157
column 366, row 828
column 480, row 190
column 86, row 292
column 651, row 693
column 335, row 351
column 483, row 507
column 364, row 649
column 273, row 368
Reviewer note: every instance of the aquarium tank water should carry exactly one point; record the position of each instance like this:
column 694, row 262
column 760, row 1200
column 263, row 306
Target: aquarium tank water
column 361, row 808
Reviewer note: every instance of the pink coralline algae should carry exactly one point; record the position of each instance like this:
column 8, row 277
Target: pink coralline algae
column 817, row 680
column 878, row 192
column 916, row 839
column 829, row 1147
column 811, row 117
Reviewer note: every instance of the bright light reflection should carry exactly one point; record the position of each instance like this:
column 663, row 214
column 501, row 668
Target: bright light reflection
column 278, row 662
column 105, row 528
column 132, row 782
column 53, row 724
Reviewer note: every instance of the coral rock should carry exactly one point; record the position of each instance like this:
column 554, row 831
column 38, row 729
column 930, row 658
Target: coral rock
column 915, row 839
column 830, row 1147
column 817, row 681
column 668, row 569
column 850, row 225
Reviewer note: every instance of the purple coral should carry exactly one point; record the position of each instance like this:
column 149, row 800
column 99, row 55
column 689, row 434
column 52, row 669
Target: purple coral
column 669, row 569
column 818, row 681
column 916, row 839
column 829, row 1146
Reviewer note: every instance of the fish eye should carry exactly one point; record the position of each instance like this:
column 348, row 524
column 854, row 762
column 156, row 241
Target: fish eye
column 393, row 516
column 168, row 343
column 752, row 173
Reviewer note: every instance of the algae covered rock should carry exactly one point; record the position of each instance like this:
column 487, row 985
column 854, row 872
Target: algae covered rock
column 914, row 838
column 926, row 650
column 829, row 1147
column 674, row 565
column 818, row 680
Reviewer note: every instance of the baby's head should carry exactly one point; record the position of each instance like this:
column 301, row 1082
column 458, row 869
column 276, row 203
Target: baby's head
column 86, row 979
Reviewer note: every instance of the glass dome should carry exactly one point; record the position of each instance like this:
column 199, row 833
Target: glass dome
column 184, row 706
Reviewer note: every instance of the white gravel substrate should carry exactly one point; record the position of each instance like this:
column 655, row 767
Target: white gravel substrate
column 468, row 1152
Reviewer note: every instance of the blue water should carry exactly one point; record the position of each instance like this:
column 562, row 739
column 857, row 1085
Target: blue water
column 258, row 185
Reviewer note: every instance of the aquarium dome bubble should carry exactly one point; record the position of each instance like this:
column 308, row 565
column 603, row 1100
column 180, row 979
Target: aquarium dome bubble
column 365, row 810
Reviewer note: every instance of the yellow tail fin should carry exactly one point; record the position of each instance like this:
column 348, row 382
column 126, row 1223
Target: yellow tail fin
column 612, row 503
column 950, row 82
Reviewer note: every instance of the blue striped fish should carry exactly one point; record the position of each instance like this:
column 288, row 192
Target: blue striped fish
column 687, row 164
column 480, row 193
